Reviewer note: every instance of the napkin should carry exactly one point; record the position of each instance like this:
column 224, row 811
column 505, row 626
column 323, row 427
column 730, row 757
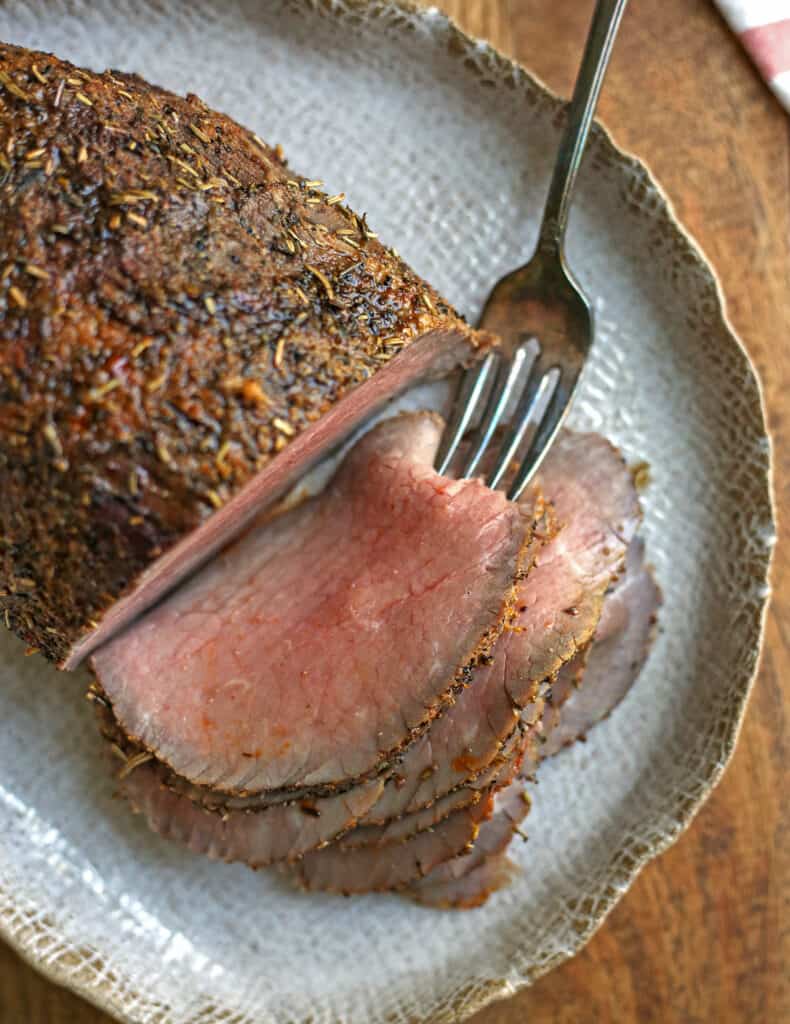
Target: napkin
column 763, row 27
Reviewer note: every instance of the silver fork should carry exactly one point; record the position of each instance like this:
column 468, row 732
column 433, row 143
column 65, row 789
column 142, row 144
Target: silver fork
column 539, row 311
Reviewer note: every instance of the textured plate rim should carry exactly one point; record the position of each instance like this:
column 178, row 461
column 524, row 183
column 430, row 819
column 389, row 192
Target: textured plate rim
column 81, row 973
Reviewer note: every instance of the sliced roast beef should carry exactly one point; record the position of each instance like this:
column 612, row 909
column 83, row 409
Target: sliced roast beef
column 187, row 323
column 467, row 880
column 558, row 604
column 215, row 799
column 566, row 682
column 500, row 774
column 347, row 866
column 472, row 889
column 318, row 645
column 243, row 829
column 616, row 657
column 392, row 829
column 257, row 837
column 228, row 829
column 586, row 690
column 393, row 865
column 596, row 506
column 582, row 471
column 263, row 835
column 389, row 857
column 460, row 782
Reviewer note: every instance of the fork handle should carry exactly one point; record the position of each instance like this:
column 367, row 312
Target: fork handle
column 598, row 49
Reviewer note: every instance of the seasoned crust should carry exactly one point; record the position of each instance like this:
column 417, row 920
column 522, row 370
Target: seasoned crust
column 177, row 306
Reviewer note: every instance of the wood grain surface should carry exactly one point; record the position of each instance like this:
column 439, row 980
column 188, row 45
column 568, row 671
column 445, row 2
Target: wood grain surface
column 704, row 934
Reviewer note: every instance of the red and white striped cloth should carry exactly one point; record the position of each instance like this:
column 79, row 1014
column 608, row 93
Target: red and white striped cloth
column 763, row 26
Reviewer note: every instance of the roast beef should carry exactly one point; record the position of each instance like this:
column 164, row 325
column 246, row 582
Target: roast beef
column 393, row 860
column 472, row 889
column 464, row 755
column 187, row 325
column 397, row 862
column 616, row 658
column 258, row 837
column 559, row 606
column 371, row 859
column 596, row 512
column 392, row 866
column 586, row 689
column 320, row 644
column 502, row 771
column 467, row 880
column 591, row 491
column 244, row 829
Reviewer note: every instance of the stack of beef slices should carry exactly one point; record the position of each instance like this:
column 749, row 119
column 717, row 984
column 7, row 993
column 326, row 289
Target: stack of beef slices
column 356, row 687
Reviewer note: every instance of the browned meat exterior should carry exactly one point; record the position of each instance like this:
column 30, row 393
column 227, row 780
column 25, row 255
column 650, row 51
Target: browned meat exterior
column 317, row 648
column 187, row 324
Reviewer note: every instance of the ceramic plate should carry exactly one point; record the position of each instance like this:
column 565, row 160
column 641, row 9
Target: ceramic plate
column 447, row 146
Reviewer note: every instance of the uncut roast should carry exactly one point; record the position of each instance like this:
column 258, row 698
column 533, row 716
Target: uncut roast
column 354, row 685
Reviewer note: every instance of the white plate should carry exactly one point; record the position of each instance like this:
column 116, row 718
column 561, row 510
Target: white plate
column 447, row 146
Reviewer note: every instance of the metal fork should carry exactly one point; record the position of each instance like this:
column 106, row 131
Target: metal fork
column 539, row 311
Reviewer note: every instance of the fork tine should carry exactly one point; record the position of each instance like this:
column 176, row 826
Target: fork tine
column 547, row 414
column 521, row 418
column 470, row 391
column 508, row 373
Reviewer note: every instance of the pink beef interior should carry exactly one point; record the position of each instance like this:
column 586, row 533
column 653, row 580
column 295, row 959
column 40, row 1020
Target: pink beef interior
column 395, row 865
column 622, row 643
column 557, row 605
column 265, row 836
column 436, row 353
column 511, row 806
column 307, row 652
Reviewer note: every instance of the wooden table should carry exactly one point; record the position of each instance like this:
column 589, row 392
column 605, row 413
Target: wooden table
column 703, row 934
